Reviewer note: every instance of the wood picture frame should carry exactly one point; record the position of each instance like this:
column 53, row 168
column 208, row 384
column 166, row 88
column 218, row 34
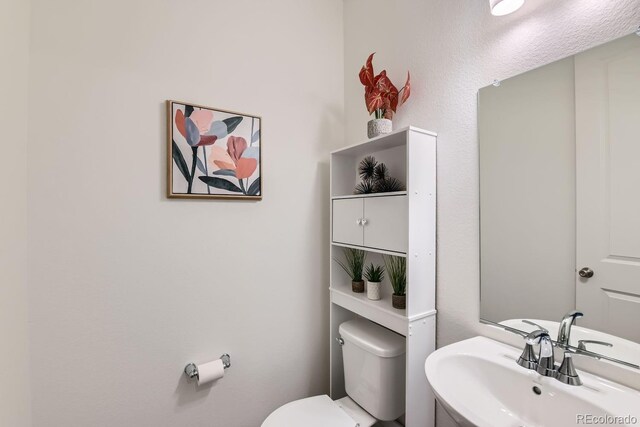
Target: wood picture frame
column 213, row 153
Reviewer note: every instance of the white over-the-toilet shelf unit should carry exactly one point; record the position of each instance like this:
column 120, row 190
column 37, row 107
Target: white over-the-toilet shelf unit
column 401, row 223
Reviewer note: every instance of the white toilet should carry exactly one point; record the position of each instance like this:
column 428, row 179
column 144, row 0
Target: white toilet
column 374, row 377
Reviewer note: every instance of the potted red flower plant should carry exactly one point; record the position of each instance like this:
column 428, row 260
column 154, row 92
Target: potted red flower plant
column 382, row 98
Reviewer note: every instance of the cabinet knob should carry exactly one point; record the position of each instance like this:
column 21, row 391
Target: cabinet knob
column 364, row 221
column 359, row 221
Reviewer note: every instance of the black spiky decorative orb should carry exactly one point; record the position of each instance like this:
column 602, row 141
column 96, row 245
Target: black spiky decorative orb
column 367, row 167
column 375, row 178
column 365, row 187
column 388, row 185
column 381, row 172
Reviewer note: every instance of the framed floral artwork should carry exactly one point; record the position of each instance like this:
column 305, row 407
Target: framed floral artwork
column 213, row 153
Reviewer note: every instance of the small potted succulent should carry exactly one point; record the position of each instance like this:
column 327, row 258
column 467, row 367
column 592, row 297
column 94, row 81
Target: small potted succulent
column 354, row 266
column 374, row 275
column 397, row 271
column 382, row 98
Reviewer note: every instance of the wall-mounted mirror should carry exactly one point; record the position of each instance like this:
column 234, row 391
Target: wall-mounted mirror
column 560, row 198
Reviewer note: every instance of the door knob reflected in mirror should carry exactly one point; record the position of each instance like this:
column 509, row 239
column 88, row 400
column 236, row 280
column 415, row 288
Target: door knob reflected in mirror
column 586, row 272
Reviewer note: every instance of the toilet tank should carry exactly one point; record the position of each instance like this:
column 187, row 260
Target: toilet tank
column 374, row 368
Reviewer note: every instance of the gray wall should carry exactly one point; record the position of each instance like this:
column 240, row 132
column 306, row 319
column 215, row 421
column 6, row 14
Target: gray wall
column 126, row 286
column 14, row 357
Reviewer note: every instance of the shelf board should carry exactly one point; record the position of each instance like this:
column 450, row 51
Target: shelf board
column 368, row 249
column 382, row 142
column 366, row 196
column 379, row 311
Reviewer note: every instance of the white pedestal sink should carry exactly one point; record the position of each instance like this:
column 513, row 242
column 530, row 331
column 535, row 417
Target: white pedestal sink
column 479, row 383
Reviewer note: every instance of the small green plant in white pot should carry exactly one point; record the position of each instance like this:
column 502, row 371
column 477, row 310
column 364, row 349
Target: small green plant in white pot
column 397, row 271
column 374, row 275
column 353, row 265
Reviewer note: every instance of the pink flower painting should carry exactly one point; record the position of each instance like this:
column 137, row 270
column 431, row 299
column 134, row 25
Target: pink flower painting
column 213, row 153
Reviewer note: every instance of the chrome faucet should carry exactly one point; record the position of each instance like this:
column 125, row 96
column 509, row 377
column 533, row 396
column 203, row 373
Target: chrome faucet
column 544, row 363
column 564, row 331
column 567, row 373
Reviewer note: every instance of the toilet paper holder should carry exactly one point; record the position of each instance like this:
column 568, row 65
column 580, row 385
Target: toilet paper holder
column 191, row 370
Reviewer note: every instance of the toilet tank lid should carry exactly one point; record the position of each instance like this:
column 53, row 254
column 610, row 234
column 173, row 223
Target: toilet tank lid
column 372, row 338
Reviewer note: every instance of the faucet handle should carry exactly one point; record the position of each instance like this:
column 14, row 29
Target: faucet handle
column 582, row 346
column 528, row 357
column 536, row 336
column 529, row 322
column 567, row 373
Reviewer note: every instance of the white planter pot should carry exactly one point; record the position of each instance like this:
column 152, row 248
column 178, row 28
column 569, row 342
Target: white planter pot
column 373, row 290
column 377, row 127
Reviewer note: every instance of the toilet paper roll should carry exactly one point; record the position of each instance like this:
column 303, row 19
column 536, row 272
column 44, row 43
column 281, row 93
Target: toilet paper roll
column 210, row 371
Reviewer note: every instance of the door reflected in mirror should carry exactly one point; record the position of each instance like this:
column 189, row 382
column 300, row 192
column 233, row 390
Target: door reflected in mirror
column 560, row 198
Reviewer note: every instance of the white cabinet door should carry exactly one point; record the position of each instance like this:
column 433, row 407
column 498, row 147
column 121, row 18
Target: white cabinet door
column 347, row 228
column 608, row 206
column 385, row 225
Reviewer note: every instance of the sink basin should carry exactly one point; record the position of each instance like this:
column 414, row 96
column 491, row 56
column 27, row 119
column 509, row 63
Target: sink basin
column 479, row 383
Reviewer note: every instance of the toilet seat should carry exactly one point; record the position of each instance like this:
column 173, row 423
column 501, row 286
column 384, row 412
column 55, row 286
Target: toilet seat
column 316, row 411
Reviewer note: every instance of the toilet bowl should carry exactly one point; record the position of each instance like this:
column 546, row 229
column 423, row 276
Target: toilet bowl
column 320, row 411
column 374, row 369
